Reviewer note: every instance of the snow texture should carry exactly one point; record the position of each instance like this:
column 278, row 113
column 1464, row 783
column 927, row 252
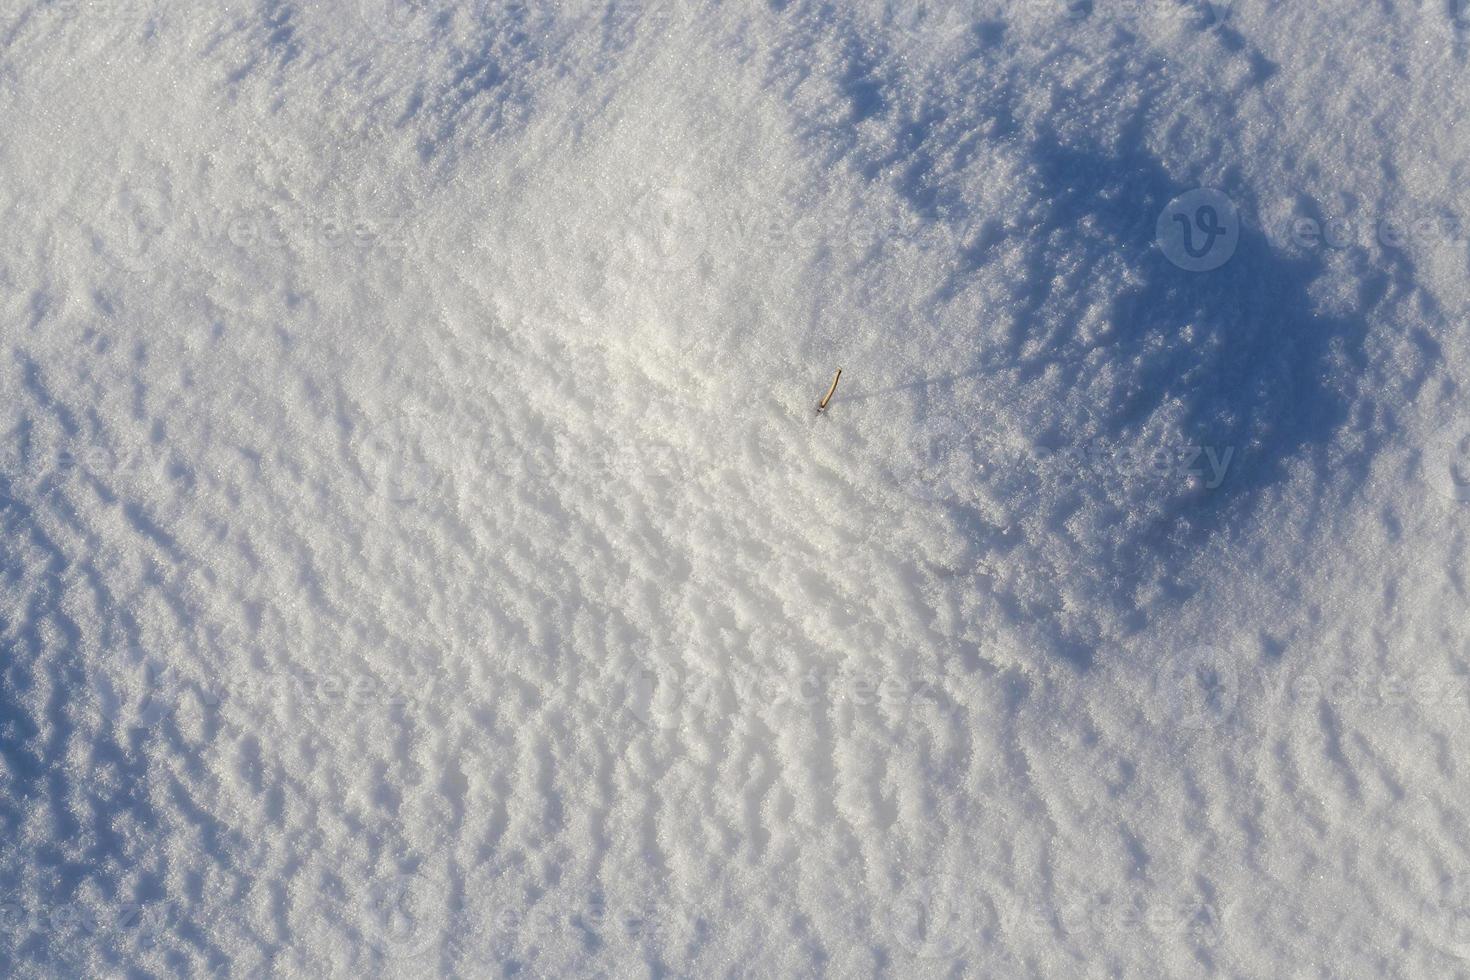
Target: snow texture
column 421, row 555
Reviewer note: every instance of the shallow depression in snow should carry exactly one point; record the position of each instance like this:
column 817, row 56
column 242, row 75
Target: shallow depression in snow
column 422, row 554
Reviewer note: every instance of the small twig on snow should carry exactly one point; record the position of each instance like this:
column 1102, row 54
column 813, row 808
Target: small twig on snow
column 822, row 405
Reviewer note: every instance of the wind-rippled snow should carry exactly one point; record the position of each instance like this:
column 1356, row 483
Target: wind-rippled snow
column 421, row 555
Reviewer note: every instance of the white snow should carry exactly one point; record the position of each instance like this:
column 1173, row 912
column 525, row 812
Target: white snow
column 421, row 555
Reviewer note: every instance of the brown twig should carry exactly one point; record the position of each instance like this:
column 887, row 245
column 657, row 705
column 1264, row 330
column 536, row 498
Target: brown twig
column 822, row 405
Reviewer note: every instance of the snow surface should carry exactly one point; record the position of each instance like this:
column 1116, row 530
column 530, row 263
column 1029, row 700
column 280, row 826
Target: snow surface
column 421, row 556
